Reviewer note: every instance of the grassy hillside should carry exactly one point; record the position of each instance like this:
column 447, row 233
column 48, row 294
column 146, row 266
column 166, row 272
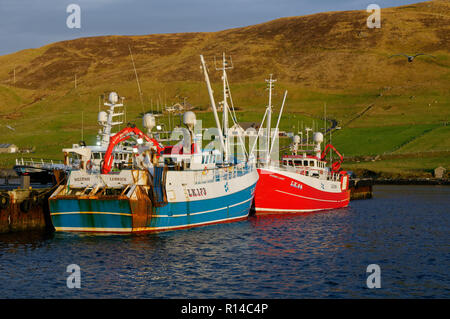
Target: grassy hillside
column 384, row 105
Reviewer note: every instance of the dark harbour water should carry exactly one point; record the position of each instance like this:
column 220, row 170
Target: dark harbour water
column 404, row 229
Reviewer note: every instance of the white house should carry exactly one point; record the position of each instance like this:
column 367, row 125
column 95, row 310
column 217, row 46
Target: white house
column 8, row 148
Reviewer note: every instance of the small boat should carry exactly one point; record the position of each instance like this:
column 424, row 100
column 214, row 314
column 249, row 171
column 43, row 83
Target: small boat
column 303, row 181
column 163, row 188
column 40, row 171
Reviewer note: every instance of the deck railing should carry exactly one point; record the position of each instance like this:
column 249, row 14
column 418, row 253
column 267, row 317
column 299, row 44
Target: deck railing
column 331, row 176
column 218, row 174
column 39, row 163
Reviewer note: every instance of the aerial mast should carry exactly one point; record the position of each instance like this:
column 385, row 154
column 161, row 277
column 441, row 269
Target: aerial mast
column 225, row 106
column 278, row 123
column 270, row 82
column 137, row 79
column 213, row 103
column 308, row 129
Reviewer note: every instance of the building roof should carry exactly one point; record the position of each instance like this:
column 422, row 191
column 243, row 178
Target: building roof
column 182, row 106
column 6, row 145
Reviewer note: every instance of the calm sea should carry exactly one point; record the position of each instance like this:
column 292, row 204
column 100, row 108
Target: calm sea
column 405, row 230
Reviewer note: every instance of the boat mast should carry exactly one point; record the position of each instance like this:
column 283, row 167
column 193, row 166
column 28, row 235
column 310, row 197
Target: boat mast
column 271, row 81
column 225, row 106
column 213, row 103
column 308, row 129
column 115, row 115
column 137, row 79
column 278, row 123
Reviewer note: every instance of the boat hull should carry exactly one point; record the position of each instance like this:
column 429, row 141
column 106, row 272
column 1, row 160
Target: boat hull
column 37, row 175
column 279, row 191
column 121, row 215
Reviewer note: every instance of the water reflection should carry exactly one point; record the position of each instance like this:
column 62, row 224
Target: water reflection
column 324, row 254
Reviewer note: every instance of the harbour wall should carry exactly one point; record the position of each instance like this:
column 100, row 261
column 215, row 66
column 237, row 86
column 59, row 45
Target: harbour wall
column 24, row 210
column 360, row 189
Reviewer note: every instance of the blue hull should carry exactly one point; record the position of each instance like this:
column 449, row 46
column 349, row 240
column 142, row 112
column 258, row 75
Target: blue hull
column 116, row 215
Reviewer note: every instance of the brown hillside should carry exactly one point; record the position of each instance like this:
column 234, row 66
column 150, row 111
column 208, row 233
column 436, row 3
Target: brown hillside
column 329, row 50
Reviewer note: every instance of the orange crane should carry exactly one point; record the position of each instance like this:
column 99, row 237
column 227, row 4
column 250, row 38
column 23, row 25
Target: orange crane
column 336, row 165
column 121, row 136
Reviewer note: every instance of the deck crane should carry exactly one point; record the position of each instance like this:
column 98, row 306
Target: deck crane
column 336, row 165
column 121, row 136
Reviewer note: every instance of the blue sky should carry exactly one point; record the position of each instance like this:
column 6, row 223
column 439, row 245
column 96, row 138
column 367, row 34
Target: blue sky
column 34, row 23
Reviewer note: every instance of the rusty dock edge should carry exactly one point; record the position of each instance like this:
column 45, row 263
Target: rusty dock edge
column 25, row 210
column 360, row 189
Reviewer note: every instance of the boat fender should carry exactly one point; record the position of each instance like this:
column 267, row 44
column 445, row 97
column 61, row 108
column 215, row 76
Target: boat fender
column 34, row 197
column 335, row 167
column 4, row 202
column 25, row 206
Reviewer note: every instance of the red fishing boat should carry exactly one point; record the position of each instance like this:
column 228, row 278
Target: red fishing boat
column 304, row 181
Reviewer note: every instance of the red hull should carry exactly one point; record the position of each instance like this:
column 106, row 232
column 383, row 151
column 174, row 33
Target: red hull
column 278, row 191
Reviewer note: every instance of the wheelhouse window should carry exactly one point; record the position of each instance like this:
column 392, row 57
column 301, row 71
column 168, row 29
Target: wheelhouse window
column 206, row 159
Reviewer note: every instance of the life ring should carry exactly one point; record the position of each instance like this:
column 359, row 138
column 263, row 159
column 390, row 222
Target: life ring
column 89, row 165
column 4, row 202
column 25, row 206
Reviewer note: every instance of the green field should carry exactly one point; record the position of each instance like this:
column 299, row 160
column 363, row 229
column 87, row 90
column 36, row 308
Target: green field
column 381, row 140
column 417, row 165
column 437, row 139
column 55, row 122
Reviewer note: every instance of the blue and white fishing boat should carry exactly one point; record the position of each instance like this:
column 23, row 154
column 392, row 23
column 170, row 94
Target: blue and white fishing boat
column 165, row 188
